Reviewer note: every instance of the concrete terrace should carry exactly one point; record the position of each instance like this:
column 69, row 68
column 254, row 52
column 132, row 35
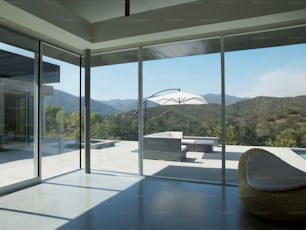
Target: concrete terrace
column 18, row 164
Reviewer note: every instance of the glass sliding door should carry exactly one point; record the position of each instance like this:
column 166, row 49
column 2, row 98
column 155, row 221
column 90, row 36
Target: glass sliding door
column 182, row 110
column 82, row 115
column 17, row 87
column 266, row 81
column 60, row 106
column 114, row 112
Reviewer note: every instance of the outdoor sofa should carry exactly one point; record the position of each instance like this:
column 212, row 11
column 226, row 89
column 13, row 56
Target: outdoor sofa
column 164, row 146
column 199, row 143
column 272, row 184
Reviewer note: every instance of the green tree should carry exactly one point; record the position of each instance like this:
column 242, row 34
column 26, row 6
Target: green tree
column 286, row 138
column 95, row 118
column 231, row 137
column 72, row 126
column 51, row 121
column 60, row 119
column 301, row 136
column 216, row 131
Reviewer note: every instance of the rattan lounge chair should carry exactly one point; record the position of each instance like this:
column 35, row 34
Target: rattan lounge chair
column 272, row 188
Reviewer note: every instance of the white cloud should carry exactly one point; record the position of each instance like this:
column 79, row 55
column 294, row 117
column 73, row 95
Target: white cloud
column 279, row 83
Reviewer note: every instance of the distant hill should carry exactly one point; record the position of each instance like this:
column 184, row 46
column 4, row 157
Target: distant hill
column 99, row 107
column 256, row 121
column 277, row 121
column 191, row 119
column 274, row 109
column 132, row 104
column 123, row 105
column 265, row 107
column 65, row 100
column 70, row 103
column 216, row 99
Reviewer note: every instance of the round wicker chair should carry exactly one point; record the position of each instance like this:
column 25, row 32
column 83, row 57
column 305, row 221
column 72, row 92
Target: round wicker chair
column 270, row 188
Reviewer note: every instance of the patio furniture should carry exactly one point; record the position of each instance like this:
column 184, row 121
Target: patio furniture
column 200, row 144
column 164, row 146
column 272, row 187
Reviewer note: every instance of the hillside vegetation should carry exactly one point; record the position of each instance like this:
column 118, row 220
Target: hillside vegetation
column 259, row 121
column 269, row 121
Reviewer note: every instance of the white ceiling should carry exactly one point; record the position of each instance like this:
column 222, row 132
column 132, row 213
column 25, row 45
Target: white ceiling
column 100, row 25
column 99, row 10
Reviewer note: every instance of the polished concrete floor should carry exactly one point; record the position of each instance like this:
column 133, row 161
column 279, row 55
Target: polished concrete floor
column 115, row 201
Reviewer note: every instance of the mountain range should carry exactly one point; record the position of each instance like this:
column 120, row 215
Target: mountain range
column 256, row 121
column 70, row 102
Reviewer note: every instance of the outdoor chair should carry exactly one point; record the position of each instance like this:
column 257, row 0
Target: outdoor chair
column 270, row 187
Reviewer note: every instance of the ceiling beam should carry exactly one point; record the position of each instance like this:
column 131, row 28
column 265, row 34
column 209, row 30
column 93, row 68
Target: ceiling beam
column 194, row 20
column 127, row 8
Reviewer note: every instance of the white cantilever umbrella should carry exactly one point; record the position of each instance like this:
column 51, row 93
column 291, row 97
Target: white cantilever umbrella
column 178, row 98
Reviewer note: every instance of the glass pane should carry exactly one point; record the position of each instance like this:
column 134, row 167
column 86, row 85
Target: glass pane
column 114, row 117
column 60, row 96
column 266, row 87
column 182, row 114
column 16, row 114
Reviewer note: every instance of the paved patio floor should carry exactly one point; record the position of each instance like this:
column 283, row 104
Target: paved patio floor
column 18, row 164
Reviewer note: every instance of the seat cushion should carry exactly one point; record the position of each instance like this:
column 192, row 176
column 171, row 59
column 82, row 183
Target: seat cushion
column 269, row 173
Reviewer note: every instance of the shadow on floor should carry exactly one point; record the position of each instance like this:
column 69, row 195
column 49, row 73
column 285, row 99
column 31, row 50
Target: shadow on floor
column 199, row 173
column 232, row 156
column 162, row 204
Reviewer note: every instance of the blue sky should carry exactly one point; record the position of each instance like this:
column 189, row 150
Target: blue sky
column 277, row 71
column 184, row 73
